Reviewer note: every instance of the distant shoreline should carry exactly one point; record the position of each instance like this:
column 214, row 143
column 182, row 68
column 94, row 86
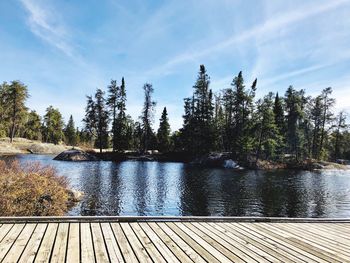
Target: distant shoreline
column 24, row 146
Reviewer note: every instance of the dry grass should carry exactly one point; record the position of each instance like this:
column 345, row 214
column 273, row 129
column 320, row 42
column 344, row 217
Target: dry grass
column 31, row 190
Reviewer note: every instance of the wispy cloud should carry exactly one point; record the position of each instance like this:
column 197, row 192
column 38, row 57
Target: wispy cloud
column 45, row 24
column 267, row 27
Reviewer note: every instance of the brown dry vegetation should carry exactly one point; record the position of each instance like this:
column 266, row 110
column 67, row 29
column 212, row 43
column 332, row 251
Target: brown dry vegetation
column 31, row 190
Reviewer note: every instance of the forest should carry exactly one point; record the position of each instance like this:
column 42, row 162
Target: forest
column 277, row 127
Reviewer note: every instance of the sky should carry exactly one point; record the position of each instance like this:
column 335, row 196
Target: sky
column 64, row 50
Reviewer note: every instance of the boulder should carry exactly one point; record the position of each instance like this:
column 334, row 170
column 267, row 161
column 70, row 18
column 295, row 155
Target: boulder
column 342, row 161
column 217, row 160
column 75, row 195
column 45, row 148
column 75, row 156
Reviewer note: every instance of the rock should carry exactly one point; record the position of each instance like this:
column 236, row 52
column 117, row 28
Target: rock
column 217, row 160
column 230, row 164
column 145, row 158
column 75, row 156
column 342, row 161
column 45, row 148
column 317, row 166
column 75, row 195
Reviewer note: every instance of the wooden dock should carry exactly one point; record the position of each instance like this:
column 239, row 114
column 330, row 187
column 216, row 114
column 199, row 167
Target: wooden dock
column 167, row 239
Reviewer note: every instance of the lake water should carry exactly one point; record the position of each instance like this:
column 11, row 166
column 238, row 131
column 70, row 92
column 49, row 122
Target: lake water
column 176, row 189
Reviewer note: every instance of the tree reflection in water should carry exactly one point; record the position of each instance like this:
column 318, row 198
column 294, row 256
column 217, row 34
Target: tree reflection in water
column 151, row 188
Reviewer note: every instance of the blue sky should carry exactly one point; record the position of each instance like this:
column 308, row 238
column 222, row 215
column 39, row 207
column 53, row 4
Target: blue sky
column 64, row 50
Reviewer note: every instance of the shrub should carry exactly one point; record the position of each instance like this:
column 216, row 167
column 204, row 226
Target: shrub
column 31, row 190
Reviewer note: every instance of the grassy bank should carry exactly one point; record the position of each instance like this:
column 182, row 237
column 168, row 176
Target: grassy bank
column 33, row 190
column 21, row 145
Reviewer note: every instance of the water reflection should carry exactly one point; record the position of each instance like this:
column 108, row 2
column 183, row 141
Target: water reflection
column 151, row 188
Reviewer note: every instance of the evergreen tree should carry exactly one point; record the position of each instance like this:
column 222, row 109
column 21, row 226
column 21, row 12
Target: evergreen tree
column 121, row 135
column 147, row 116
column 112, row 102
column 96, row 119
column 293, row 100
column 17, row 94
column 239, row 107
column 327, row 117
column 268, row 134
column 53, row 126
column 316, row 119
column 199, row 129
column 278, row 111
column 70, row 132
column 163, row 134
column 32, row 127
column 339, row 137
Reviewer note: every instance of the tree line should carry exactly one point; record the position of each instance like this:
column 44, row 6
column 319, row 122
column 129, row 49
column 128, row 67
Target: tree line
column 16, row 120
column 295, row 126
column 276, row 127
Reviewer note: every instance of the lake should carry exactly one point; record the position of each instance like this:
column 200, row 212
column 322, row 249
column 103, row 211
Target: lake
column 177, row 189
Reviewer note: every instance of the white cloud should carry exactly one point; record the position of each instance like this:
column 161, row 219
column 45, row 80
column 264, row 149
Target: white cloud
column 45, row 24
column 265, row 28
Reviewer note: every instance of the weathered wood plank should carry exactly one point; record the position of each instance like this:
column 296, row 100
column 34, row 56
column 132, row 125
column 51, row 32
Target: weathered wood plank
column 73, row 247
column 275, row 244
column 188, row 250
column 47, row 242
column 136, row 245
column 101, row 254
column 170, row 241
column 317, row 239
column 164, row 250
column 243, row 246
column 20, row 243
column 321, row 234
column 283, row 241
column 147, row 243
column 9, row 239
column 323, row 251
column 87, row 248
column 192, row 243
column 115, row 255
column 60, row 247
column 32, row 247
column 213, row 242
column 319, row 254
column 5, row 228
column 228, row 243
column 125, row 247
column 259, row 243
column 175, row 249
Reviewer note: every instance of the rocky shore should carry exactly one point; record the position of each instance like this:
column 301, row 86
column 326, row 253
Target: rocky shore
column 212, row 160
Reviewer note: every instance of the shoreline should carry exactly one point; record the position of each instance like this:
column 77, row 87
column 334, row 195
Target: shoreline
column 213, row 160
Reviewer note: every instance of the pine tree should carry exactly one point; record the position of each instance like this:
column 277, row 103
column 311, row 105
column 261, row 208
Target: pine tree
column 121, row 134
column 327, row 117
column 32, row 127
column 96, row 119
column 279, row 114
column 70, row 132
column 293, row 100
column 147, row 116
column 199, row 129
column 268, row 134
column 340, row 126
column 17, row 93
column 163, row 134
column 112, row 102
column 239, row 106
column 316, row 119
column 53, row 126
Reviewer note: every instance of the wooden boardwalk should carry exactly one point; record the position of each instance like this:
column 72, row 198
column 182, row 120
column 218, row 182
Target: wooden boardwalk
column 171, row 240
